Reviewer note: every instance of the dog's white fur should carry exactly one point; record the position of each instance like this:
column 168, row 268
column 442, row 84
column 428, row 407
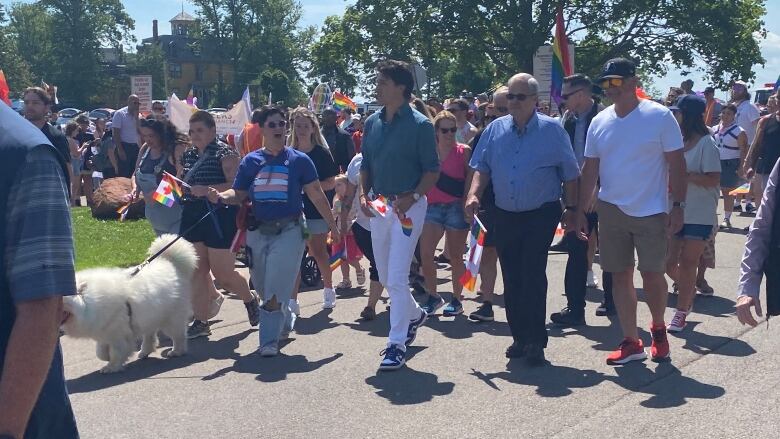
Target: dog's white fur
column 158, row 298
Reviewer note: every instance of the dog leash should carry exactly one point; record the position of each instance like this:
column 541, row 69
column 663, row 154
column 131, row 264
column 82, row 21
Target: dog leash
column 167, row 246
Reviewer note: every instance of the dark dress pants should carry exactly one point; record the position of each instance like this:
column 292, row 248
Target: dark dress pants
column 522, row 240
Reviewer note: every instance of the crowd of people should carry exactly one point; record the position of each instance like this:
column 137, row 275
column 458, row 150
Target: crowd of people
column 636, row 177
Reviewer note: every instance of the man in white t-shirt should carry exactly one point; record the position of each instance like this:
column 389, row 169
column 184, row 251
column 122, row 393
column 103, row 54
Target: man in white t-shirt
column 747, row 118
column 124, row 126
column 634, row 148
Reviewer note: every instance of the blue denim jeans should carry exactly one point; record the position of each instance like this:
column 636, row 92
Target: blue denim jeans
column 274, row 264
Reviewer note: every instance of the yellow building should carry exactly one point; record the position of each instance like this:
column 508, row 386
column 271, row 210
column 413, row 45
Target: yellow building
column 189, row 62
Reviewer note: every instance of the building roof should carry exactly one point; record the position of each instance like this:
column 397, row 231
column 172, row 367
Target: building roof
column 183, row 16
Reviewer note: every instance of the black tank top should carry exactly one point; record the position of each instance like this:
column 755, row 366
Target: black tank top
column 770, row 147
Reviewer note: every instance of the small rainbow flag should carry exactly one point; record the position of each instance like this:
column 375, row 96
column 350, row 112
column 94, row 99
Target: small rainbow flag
column 742, row 190
column 342, row 102
column 476, row 243
column 168, row 191
column 406, row 226
column 123, row 211
column 338, row 256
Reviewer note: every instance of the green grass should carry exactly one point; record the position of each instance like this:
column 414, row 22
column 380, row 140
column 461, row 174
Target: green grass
column 109, row 243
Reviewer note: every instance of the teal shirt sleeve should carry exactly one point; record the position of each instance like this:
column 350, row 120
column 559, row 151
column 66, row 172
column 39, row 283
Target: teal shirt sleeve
column 426, row 147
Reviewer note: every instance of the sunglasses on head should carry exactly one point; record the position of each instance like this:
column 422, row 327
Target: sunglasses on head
column 519, row 96
column 452, row 130
column 568, row 95
column 280, row 124
column 611, row 82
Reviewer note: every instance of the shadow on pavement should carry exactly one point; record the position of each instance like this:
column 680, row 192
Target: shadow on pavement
column 315, row 324
column 551, row 381
column 409, row 386
column 200, row 350
column 704, row 344
column 606, row 337
column 460, row 327
column 273, row 369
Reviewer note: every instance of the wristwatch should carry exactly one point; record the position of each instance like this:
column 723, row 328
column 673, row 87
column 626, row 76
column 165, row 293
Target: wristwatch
column 680, row 204
column 416, row 196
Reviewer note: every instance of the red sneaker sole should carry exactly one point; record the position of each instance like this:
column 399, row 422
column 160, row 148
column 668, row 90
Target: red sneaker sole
column 639, row 356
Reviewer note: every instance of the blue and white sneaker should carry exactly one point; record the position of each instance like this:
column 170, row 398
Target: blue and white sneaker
column 413, row 326
column 394, row 359
column 453, row 308
column 432, row 304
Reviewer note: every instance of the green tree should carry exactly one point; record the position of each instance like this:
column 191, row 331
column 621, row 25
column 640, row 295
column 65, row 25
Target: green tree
column 339, row 55
column 79, row 28
column 16, row 69
column 256, row 36
column 30, row 29
column 660, row 34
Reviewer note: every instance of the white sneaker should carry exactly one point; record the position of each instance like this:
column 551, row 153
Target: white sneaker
column 295, row 307
column 328, row 298
column 678, row 322
column 344, row 285
column 216, row 305
column 591, row 280
column 361, row 276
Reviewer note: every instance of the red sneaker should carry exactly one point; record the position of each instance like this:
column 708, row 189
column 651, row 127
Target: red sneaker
column 628, row 350
column 659, row 350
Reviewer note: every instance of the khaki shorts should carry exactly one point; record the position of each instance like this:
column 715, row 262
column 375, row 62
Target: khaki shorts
column 620, row 234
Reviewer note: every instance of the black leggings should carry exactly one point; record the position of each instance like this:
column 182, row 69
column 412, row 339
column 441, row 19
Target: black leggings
column 363, row 241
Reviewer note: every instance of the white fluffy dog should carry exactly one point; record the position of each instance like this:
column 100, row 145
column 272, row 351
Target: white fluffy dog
column 116, row 309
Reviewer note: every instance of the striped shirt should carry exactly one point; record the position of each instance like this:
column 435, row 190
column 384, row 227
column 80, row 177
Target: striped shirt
column 210, row 171
column 39, row 238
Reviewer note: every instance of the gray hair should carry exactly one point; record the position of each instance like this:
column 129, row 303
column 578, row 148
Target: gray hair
column 533, row 84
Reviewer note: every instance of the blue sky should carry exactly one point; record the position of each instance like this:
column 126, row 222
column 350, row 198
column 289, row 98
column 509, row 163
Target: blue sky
column 315, row 11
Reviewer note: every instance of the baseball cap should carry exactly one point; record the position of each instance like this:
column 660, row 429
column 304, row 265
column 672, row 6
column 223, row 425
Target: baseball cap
column 357, row 116
column 618, row 68
column 691, row 105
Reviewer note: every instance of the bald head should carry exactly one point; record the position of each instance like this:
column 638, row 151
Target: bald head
column 133, row 103
column 522, row 97
column 526, row 81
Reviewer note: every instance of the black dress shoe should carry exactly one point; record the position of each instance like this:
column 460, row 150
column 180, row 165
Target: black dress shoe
column 568, row 317
column 515, row 351
column 534, row 355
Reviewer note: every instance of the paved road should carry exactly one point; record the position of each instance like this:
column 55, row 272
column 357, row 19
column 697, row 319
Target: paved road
column 722, row 382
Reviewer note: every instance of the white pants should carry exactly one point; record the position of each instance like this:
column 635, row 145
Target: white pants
column 393, row 252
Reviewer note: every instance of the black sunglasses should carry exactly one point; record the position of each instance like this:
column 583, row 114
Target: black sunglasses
column 520, row 97
column 452, row 130
column 280, row 124
column 568, row 95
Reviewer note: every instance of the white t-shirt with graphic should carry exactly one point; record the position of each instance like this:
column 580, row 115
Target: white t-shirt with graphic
column 633, row 171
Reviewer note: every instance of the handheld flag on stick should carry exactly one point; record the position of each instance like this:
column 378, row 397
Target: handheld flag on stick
column 380, row 205
column 742, row 190
column 4, row 90
column 168, row 191
column 476, row 243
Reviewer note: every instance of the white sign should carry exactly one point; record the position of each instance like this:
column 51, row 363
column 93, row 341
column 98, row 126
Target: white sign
column 543, row 71
column 141, row 86
column 230, row 122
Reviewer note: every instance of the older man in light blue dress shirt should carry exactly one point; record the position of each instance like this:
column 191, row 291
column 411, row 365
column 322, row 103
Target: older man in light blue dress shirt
column 528, row 157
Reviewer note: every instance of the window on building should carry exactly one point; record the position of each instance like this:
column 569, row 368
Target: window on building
column 199, row 70
column 174, row 70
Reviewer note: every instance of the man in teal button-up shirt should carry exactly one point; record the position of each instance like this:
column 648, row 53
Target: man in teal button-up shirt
column 399, row 162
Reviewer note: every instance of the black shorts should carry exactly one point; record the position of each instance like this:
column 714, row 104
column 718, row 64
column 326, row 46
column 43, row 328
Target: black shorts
column 488, row 217
column 206, row 231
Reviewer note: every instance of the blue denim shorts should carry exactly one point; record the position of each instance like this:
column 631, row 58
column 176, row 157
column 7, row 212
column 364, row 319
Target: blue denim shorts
column 447, row 215
column 696, row 232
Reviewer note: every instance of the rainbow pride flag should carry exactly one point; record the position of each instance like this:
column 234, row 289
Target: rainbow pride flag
column 561, row 63
column 476, row 243
column 742, row 190
column 407, row 226
column 342, row 102
column 168, row 192
column 337, row 257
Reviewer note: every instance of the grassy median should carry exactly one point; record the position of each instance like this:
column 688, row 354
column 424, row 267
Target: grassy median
column 101, row 243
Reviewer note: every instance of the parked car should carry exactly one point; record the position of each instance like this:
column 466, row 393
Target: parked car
column 101, row 113
column 69, row 113
column 18, row 106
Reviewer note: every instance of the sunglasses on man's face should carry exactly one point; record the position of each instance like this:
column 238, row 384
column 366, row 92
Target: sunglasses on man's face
column 611, row 82
column 280, row 124
column 519, row 96
column 454, row 110
column 452, row 130
column 566, row 96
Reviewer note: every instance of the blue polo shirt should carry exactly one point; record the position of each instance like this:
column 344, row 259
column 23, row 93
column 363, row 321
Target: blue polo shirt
column 527, row 167
column 398, row 153
column 275, row 183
